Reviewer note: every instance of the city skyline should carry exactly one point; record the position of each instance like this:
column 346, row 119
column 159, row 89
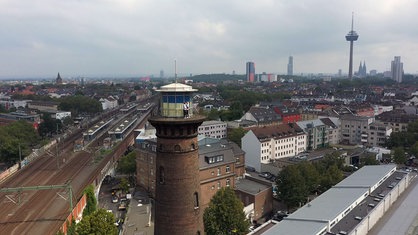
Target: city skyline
column 132, row 38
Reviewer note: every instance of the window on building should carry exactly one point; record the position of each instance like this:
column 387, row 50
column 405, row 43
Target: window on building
column 227, row 169
column 162, row 176
column 219, row 184
column 196, row 200
column 177, row 148
column 228, row 182
column 219, row 171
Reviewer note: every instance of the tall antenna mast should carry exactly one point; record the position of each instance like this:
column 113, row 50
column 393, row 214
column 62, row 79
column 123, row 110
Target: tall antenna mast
column 352, row 20
column 175, row 70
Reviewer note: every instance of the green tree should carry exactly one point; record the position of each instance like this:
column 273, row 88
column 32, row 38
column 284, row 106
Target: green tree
column 369, row 160
column 292, row 186
column 91, row 203
column 414, row 149
column 225, row 214
column 124, row 185
column 235, row 135
column 127, row 164
column 399, row 156
column 80, row 104
column 17, row 135
column 310, row 174
column 99, row 222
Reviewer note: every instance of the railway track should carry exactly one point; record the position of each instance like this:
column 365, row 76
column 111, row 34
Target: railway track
column 44, row 212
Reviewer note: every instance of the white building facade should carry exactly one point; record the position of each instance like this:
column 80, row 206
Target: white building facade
column 213, row 129
column 265, row 144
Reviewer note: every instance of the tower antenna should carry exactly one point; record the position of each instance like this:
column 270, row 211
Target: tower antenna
column 175, row 70
column 352, row 21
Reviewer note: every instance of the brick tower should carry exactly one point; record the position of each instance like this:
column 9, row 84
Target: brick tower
column 177, row 196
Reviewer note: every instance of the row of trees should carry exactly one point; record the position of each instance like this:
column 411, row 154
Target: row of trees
column 296, row 182
column 80, row 104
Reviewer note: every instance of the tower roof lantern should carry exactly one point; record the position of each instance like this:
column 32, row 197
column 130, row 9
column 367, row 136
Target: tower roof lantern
column 176, row 87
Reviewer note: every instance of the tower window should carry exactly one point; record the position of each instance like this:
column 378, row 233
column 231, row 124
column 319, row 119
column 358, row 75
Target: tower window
column 193, row 146
column 196, row 200
column 177, row 148
column 162, row 175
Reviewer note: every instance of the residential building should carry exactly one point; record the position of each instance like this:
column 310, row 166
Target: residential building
column 396, row 69
column 354, row 128
column 397, row 119
column 257, row 195
column 221, row 163
column 213, row 129
column 316, row 133
column 250, row 70
column 333, row 126
column 377, row 134
column 262, row 115
column 265, row 144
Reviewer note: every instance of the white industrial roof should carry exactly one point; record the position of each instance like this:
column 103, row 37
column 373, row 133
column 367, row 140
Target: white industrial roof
column 313, row 217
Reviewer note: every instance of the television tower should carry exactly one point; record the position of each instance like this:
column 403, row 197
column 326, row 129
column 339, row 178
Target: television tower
column 351, row 37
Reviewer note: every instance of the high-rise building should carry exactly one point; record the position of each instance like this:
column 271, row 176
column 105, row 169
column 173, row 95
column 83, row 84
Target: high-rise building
column 396, row 69
column 290, row 66
column 178, row 208
column 351, row 37
column 250, row 72
column 161, row 73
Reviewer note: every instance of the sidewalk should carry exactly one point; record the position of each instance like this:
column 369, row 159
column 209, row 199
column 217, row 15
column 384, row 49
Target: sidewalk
column 138, row 220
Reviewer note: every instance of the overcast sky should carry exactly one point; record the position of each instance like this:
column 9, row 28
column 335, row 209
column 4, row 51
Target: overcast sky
column 40, row 38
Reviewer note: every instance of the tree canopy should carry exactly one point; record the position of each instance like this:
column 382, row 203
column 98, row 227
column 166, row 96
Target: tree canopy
column 100, row 222
column 17, row 134
column 127, row 164
column 236, row 134
column 225, row 214
column 296, row 182
column 80, row 104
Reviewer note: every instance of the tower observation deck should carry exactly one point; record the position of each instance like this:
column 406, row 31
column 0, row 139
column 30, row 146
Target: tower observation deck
column 351, row 37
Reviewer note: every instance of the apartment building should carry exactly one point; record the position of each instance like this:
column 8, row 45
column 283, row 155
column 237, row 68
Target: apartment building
column 354, row 128
column 221, row 163
column 213, row 129
column 316, row 133
column 265, row 144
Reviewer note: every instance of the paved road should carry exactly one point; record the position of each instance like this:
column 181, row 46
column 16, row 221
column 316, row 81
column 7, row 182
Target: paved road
column 401, row 215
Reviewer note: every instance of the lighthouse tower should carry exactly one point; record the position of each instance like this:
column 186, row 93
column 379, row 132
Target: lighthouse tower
column 177, row 195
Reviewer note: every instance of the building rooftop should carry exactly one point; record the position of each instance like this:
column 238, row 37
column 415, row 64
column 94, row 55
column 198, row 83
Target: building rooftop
column 313, row 218
column 279, row 131
column 250, row 186
column 176, row 87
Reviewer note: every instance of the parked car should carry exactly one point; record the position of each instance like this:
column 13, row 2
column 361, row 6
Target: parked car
column 115, row 199
column 265, row 175
column 122, row 206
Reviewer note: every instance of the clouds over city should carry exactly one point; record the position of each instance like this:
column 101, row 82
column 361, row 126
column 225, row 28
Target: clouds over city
column 140, row 37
